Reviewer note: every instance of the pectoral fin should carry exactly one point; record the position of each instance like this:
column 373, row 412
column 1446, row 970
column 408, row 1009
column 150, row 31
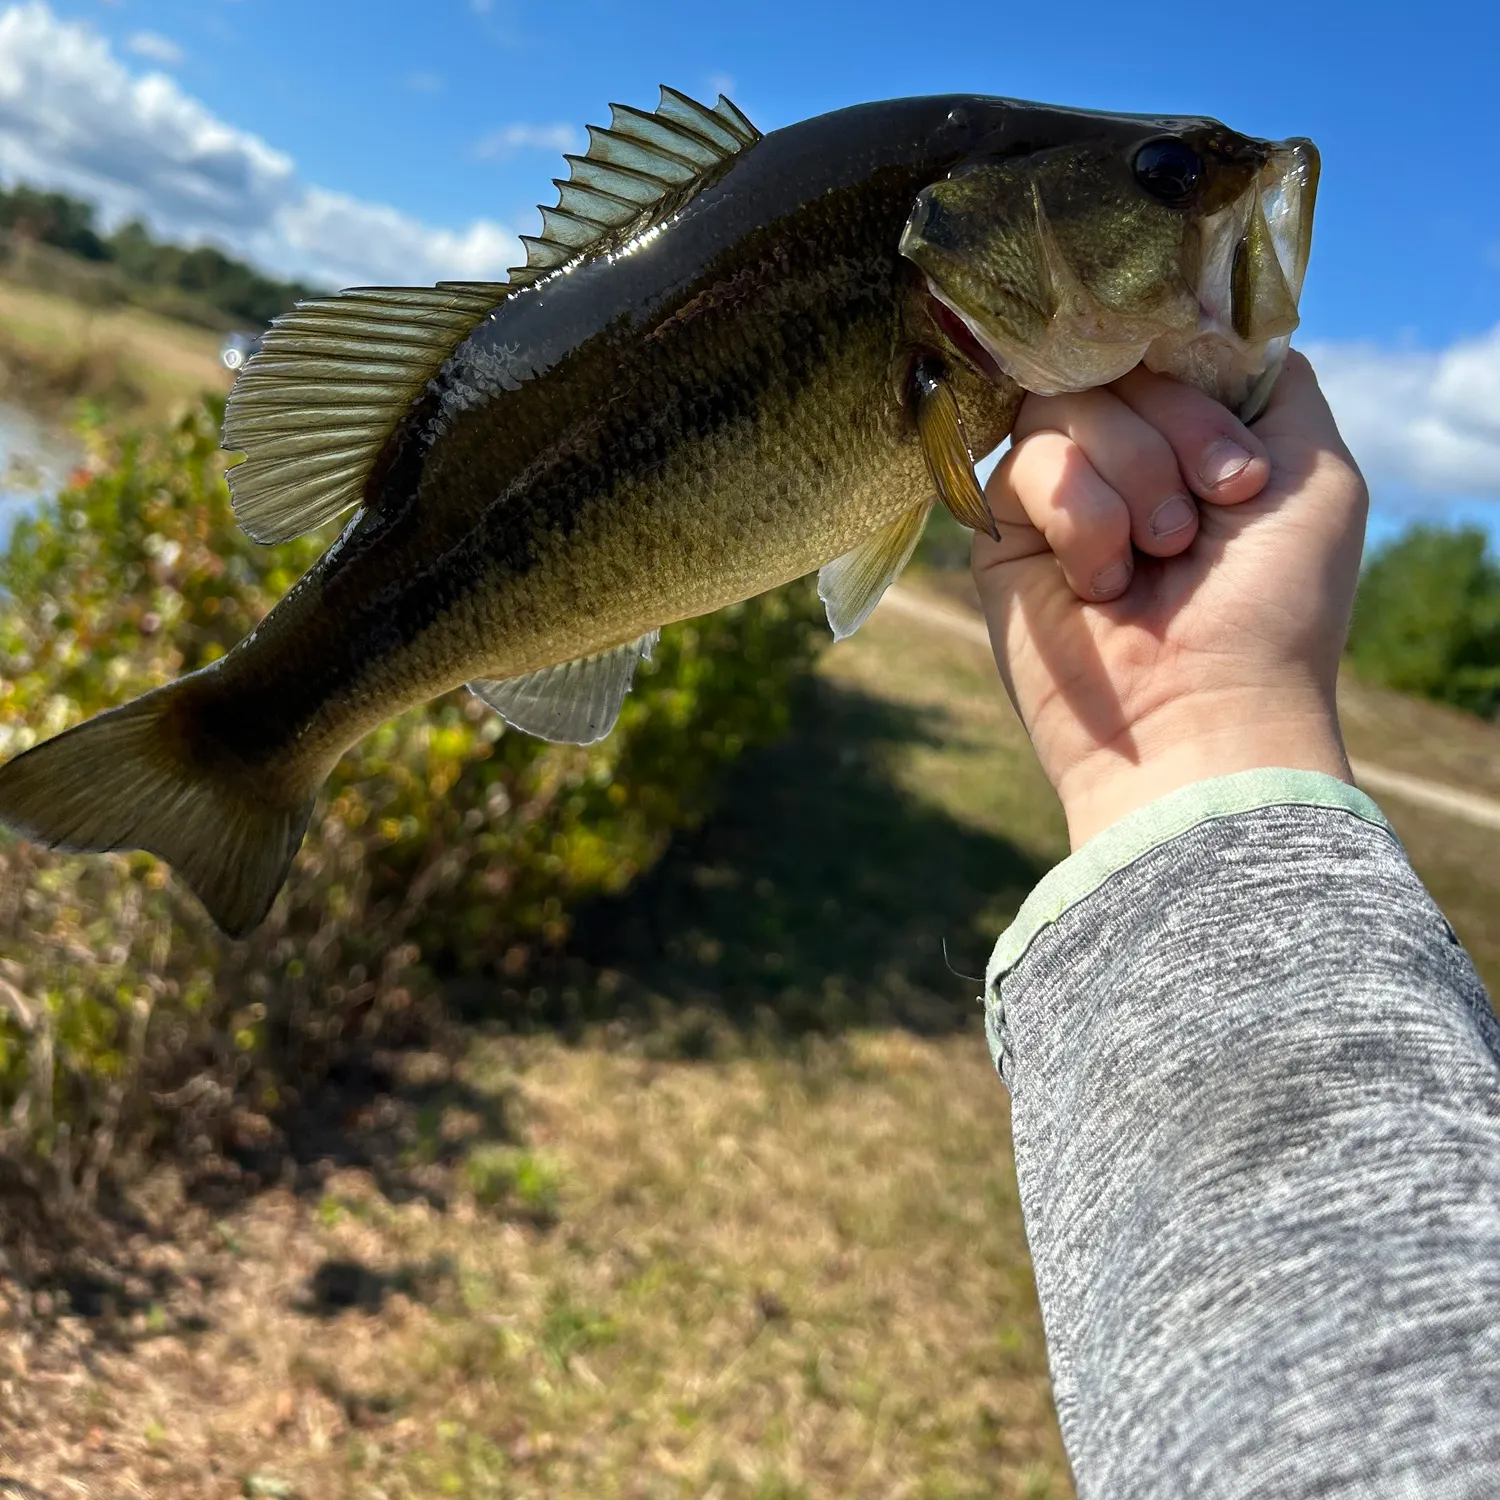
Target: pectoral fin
column 850, row 586
column 576, row 702
column 941, row 429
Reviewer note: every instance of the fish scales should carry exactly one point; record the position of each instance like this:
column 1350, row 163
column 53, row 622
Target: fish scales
column 731, row 423
column 728, row 392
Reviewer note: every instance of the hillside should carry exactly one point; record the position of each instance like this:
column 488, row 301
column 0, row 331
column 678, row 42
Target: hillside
column 56, row 351
column 792, row 1267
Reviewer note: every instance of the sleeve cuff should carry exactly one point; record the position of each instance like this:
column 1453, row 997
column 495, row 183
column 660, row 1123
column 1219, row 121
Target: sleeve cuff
column 1122, row 843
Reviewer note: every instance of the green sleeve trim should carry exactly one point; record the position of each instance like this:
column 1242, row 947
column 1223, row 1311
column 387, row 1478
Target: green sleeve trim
column 1136, row 834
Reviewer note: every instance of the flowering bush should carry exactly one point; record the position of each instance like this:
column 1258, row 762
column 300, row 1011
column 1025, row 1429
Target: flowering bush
column 444, row 843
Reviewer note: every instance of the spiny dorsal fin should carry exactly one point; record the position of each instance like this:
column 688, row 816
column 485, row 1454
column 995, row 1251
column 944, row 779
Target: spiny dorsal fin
column 313, row 407
column 576, row 702
column 637, row 172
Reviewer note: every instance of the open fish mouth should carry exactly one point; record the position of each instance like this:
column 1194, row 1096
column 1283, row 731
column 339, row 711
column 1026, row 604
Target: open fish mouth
column 1253, row 261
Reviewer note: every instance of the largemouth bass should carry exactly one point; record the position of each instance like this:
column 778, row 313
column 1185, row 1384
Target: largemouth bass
column 731, row 359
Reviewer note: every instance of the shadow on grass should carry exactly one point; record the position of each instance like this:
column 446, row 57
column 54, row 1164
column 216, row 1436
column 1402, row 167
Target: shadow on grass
column 341, row 1285
column 819, row 897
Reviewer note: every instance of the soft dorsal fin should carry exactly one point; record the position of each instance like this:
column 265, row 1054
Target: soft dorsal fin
column 313, row 407
column 576, row 702
column 637, row 172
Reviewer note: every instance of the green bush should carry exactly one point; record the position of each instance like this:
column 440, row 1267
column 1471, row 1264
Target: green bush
column 444, row 844
column 1427, row 618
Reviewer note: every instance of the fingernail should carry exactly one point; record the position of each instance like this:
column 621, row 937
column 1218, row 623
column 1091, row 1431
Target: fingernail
column 1108, row 582
column 1172, row 516
column 1222, row 462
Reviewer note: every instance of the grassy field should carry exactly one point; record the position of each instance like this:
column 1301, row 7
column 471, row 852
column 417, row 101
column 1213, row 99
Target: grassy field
column 757, row 1240
column 55, row 352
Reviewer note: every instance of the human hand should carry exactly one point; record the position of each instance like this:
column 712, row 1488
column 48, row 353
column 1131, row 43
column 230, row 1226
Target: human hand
column 1143, row 659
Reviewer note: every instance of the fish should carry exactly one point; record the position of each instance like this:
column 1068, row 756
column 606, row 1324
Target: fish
column 731, row 359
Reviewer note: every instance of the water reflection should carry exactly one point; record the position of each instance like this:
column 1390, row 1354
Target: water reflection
column 35, row 460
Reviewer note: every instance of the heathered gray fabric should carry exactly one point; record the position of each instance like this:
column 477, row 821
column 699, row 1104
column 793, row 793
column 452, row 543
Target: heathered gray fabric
column 1256, row 1105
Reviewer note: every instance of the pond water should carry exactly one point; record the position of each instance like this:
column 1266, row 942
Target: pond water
column 35, row 460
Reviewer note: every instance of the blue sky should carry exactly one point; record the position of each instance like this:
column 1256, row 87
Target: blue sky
column 448, row 118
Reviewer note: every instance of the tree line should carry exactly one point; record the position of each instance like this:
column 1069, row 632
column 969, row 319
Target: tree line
column 226, row 284
column 1427, row 618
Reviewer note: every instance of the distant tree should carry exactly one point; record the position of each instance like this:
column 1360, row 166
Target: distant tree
column 53, row 219
column 203, row 272
column 1427, row 618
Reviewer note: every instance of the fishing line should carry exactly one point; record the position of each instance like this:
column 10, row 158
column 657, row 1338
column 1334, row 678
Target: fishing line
column 972, row 978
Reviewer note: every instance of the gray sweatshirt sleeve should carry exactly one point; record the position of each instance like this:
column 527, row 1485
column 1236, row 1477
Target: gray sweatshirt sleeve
column 1255, row 1088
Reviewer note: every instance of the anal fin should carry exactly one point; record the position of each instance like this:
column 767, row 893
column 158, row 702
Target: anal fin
column 576, row 702
column 941, row 429
column 850, row 586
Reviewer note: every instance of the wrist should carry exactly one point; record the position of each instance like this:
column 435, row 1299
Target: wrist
column 1193, row 741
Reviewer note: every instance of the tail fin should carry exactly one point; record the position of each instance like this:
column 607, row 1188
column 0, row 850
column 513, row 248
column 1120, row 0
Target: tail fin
column 128, row 779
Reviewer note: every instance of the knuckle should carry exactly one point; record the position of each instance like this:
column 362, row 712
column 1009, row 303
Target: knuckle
column 1088, row 519
column 1040, row 414
column 1148, row 468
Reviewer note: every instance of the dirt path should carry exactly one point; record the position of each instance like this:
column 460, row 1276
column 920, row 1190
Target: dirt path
column 1481, row 811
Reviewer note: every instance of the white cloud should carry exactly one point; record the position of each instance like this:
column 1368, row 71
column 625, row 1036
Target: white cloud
column 373, row 242
column 425, row 83
column 499, row 145
column 1420, row 423
column 156, row 48
column 72, row 116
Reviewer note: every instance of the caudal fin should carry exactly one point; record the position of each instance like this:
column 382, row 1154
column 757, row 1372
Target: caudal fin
column 130, row 779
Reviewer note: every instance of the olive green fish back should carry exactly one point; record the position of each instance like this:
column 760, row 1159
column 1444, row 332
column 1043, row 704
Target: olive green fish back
column 314, row 408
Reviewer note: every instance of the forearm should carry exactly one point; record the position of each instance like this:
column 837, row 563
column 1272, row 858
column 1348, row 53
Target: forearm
column 1257, row 1125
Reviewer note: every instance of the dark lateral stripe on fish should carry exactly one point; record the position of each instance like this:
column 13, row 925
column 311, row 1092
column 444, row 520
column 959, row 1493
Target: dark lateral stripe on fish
column 559, row 499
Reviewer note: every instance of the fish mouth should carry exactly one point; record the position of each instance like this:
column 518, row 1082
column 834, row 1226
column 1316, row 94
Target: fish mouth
column 1227, row 333
column 1252, row 264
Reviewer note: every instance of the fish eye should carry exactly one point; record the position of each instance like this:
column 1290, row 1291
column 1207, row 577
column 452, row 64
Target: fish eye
column 1169, row 169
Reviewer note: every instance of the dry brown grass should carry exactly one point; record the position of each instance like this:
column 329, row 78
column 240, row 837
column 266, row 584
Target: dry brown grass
column 770, row 1277
column 798, row 1270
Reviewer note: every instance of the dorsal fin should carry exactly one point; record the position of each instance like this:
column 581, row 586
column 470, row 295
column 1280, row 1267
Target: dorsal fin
column 637, row 172
column 313, row 408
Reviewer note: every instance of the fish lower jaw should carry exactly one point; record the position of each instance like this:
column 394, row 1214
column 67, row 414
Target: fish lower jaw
column 1236, row 374
column 1076, row 354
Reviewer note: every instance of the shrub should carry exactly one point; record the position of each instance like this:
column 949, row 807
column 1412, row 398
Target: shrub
column 1427, row 618
column 444, row 844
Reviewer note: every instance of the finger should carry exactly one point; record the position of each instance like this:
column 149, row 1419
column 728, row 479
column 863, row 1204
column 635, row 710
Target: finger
column 1298, row 405
column 1048, row 479
column 1220, row 458
column 1306, row 442
column 1017, row 539
column 1130, row 456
